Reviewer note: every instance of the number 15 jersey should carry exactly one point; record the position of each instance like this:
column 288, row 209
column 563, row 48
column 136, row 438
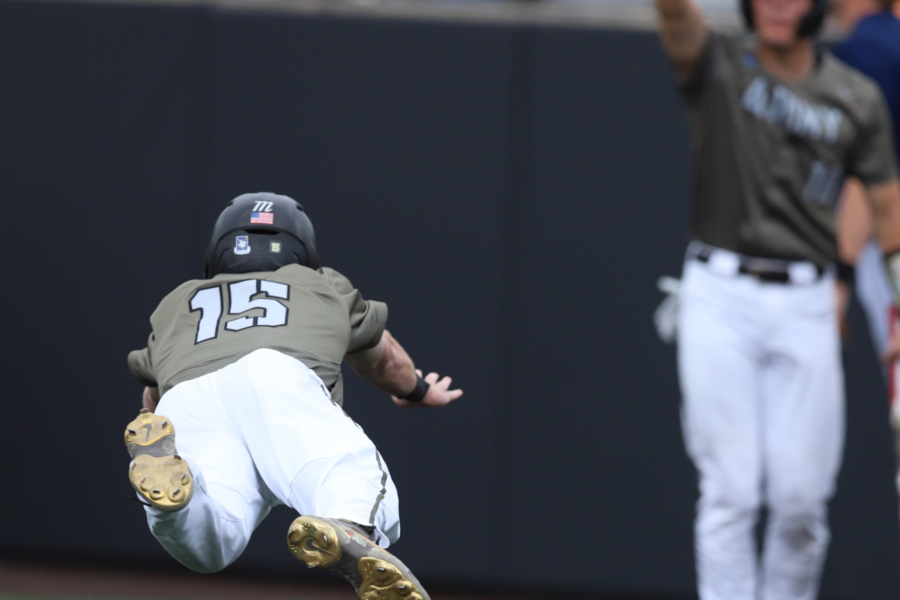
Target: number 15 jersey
column 316, row 317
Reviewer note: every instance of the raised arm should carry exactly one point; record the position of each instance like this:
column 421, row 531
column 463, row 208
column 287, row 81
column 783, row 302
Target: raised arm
column 683, row 32
column 389, row 368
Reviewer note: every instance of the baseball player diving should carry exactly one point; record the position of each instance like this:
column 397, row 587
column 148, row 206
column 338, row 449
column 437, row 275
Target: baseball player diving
column 777, row 124
column 246, row 366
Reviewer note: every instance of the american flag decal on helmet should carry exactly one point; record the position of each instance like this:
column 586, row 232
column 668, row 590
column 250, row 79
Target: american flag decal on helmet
column 262, row 218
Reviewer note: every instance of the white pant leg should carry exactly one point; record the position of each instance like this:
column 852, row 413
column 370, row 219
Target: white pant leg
column 229, row 501
column 719, row 372
column 307, row 451
column 804, row 434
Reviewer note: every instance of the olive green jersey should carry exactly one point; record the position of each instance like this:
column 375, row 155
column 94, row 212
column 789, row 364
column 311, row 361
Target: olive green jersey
column 770, row 157
column 316, row 317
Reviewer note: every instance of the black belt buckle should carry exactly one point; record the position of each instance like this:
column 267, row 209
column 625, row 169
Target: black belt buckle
column 765, row 275
column 703, row 254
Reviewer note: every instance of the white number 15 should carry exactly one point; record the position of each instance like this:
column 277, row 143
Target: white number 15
column 209, row 302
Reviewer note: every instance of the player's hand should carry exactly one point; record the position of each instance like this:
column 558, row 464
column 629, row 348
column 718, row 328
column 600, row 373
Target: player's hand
column 438, row 394
column 151, row 398
column 893, row 350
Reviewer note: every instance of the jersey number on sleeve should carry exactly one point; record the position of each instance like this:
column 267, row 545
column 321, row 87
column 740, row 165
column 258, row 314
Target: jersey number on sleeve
column 209, row 302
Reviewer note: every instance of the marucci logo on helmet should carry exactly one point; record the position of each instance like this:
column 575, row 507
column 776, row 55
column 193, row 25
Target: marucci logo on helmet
column 262, row 206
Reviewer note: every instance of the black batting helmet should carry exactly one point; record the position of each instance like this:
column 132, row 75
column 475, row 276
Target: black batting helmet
column 261, row 232
column 809, row 25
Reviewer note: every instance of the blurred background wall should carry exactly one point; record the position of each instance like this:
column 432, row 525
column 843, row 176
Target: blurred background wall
column 511, row 189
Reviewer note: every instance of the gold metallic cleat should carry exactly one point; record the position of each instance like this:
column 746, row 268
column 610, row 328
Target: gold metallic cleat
column 157, row 473
column 339, row 546
column 381, row 579
column 314, row 541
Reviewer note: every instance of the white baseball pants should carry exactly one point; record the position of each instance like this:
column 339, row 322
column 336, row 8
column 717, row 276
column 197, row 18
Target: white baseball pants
column 260, row 432
column 763, row 418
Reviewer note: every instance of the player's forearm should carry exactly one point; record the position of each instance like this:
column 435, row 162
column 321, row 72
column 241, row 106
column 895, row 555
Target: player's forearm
column 398, row 377
column 150, row 398
column 391, row 371
column 886, row 206
column 854, row 221
column 682, row 31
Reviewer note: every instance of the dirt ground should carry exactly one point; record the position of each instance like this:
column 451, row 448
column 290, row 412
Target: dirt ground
column 27, row 581
column 43, row 581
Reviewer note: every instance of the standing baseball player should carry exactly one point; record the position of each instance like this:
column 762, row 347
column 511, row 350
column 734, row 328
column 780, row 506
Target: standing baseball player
column 777, row 123
column 246, row 366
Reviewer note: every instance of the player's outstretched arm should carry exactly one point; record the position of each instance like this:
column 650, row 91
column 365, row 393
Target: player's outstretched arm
column 683, row 32
column 389, row 368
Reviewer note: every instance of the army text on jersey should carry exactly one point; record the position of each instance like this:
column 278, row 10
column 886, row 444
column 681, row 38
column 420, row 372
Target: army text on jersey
column 770, row 157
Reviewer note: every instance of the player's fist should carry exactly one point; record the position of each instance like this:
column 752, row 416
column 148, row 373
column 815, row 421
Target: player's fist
column 438, row 394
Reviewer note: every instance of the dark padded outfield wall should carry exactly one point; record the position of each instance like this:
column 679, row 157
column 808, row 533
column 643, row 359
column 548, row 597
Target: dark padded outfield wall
column 513, row 193
column 598, row 406
column 394, row 135
column 96, row 150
